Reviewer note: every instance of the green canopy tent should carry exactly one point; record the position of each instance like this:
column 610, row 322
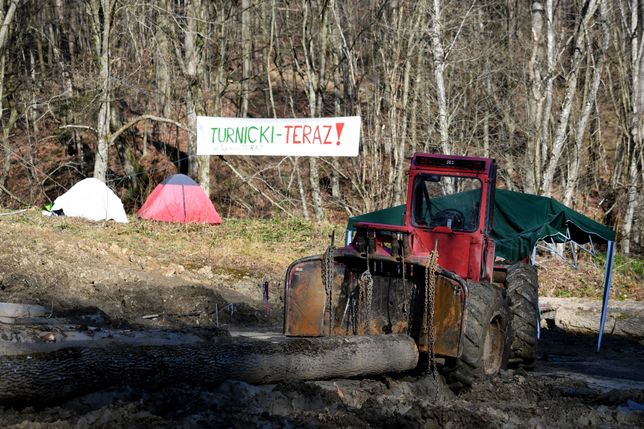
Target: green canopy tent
column 520, row 221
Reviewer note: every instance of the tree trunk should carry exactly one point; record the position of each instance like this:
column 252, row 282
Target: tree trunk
column 536, row 100
column 7, row 19
column 589, row 103
column 636, row 124
column 560, row 137
column 163, row 60
column 246, row 55
column 316, row 194
column 6, row 129
column 192, row 66
column 439, row 75
column 48, row 377
column 314, row 85
column 101, row 12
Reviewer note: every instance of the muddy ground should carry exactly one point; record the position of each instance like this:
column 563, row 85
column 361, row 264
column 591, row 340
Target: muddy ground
column 73, row 273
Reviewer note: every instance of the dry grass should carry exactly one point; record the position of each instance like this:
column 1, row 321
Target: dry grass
column 241, row 247
column 558, row 279
column 235, row 246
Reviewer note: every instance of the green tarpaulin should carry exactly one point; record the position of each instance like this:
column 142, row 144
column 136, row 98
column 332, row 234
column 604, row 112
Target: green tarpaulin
column 520, row 220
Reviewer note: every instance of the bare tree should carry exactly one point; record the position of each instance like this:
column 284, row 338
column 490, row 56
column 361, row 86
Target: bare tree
column 560, row 137
column 636, row 122
column 314, row 75
column 438, row 55
column 7, row 14
column 190, row 56
column 588, row 102
column 246, row 43
column 102, row 14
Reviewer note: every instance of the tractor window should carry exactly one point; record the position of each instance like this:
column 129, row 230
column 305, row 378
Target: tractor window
column 446, row 201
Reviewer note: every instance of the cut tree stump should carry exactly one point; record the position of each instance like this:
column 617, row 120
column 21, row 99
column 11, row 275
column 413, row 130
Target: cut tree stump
column 45, row 377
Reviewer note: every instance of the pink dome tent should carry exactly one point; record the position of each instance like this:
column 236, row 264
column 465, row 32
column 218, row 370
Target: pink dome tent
column 179, row 199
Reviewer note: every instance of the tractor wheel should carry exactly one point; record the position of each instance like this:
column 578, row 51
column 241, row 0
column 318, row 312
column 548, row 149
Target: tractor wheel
column 523, row 292
column 486, row 337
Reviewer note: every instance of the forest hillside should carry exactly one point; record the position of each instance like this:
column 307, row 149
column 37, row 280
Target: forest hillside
column 111, row 89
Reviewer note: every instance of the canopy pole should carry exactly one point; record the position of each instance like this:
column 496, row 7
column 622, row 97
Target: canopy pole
column 533, row 261
column 608, row 276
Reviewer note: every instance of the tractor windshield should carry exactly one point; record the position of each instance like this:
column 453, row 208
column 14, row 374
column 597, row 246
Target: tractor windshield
column 448, row 201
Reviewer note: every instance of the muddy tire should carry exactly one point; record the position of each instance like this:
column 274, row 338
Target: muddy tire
column 486, row 337
column 522, row 284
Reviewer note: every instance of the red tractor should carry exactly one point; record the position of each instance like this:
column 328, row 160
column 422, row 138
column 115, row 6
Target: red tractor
column 432, row 276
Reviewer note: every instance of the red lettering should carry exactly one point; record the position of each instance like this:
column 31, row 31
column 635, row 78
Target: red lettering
column 328, row 131
column 288, row 132
column 305, row 134
column 316, row 135
column 295, row 128
column 339, row 126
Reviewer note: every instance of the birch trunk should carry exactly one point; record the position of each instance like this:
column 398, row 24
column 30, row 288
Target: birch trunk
column 163, row 60
column 636, row 125
column 102, row 14
column 588, row 105
column 542, row 148
column 7, row 20
column 315, row 84
column 560, row 137
column 191, row 61
column 536, row 100
column 246, row 55
column 438, row 55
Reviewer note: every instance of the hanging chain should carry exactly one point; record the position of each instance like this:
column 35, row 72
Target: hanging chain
column 365, row 294
column 430, row 293
column 365, row 290
column 328, row 269
column 404, row 282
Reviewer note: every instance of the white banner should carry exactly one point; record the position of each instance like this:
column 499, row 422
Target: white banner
column 278, row 137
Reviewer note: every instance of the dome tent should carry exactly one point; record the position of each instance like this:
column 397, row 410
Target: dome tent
column 91, row 199
column 179, row 199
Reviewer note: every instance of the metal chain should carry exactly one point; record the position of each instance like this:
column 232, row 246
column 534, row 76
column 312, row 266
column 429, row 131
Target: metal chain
column 404, row 282
column 327, row 280
column 430, row 292
column 365, row 285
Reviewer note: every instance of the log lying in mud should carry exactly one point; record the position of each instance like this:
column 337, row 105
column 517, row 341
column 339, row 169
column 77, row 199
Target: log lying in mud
column 46, row 377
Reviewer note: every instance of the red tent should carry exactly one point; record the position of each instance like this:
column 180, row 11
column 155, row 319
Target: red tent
column 179, row 199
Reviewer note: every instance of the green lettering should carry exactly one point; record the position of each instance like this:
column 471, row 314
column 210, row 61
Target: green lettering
column 239, row 135
column 249, row 138
column 262, row 134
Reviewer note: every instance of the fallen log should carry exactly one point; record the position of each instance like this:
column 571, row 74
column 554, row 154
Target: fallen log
column 40, row 337
column 625, row 318
column 41, row 378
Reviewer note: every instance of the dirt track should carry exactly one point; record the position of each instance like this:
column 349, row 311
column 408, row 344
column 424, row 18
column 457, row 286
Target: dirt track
column 572, row 388
column 572, row 385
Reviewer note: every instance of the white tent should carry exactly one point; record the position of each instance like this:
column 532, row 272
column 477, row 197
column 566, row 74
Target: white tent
column 91, row 199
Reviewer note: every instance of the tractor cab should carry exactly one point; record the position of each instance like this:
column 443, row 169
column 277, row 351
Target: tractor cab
column 449, row 209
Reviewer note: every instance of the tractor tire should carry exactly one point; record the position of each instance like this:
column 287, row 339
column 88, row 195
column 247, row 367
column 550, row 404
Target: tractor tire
column 522, row 284
column 486, row 337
